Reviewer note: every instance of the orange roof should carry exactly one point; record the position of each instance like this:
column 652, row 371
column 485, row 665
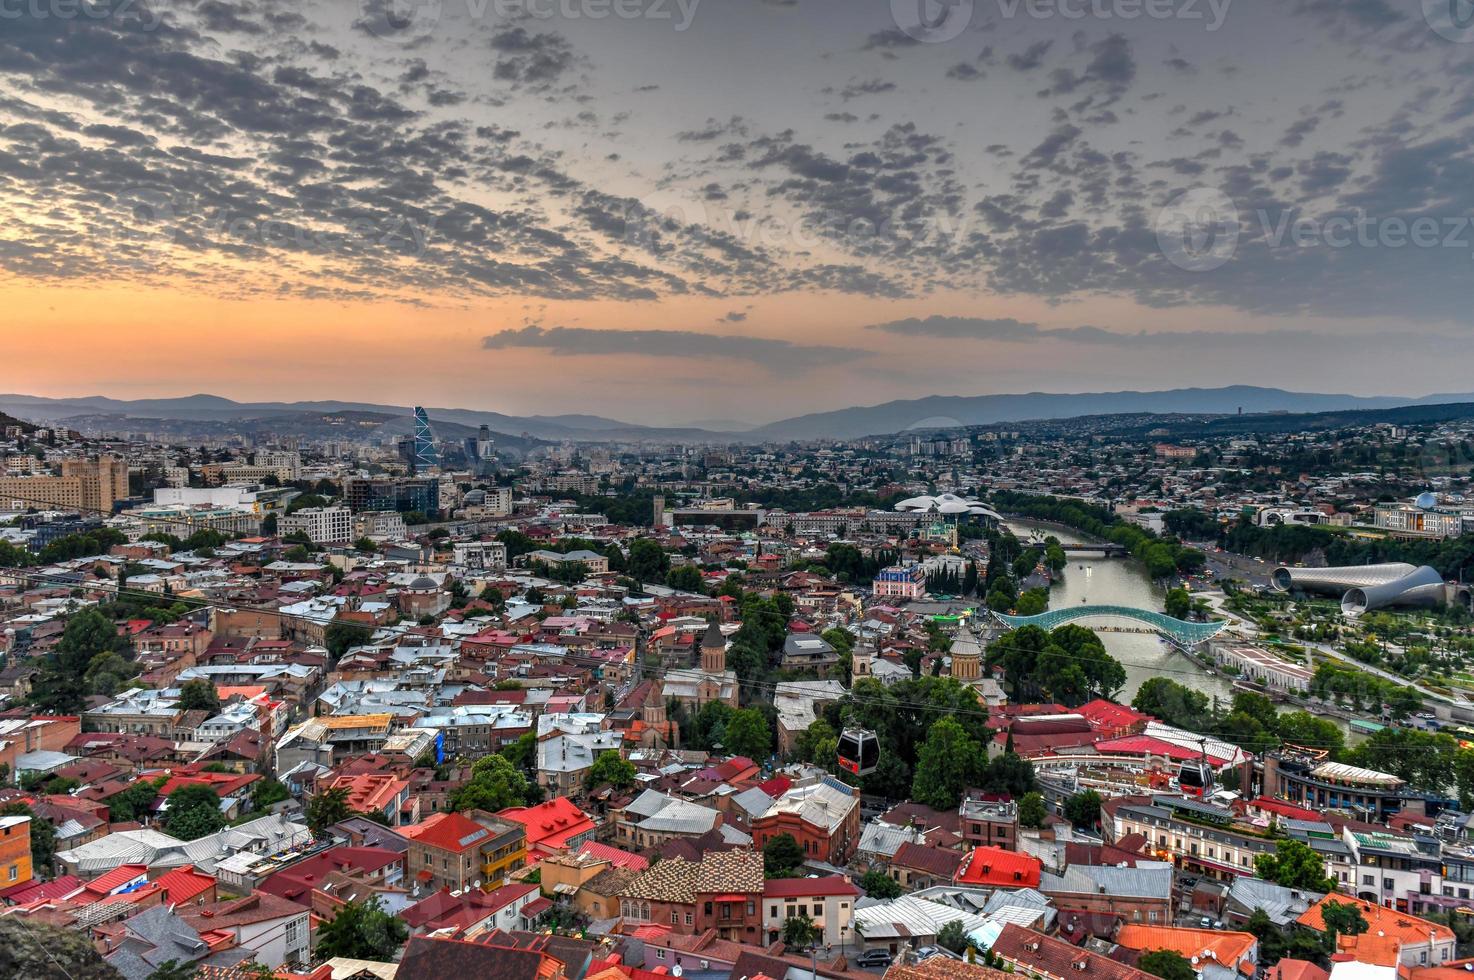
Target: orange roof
column 1228, row 948
column 553, row 823
column 1399, row 925
column 998, row 867
column 448, row 831
column 370, row 791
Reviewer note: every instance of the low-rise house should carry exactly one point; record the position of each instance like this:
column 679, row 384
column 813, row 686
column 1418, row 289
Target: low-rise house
column 1140, row 895
column 1418, row 941
column 277, row 930
column 1035, row 954
column 722, row 891
column 1217, row 955
column 467, row 913
column 821, row 813
column 828, row 901
column 552, row 826
column 456, row 851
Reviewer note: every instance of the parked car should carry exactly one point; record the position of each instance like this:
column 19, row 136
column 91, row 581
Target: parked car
column 874, row 957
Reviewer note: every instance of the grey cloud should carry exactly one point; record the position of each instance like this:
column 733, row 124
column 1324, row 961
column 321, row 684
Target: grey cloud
column 777, row 356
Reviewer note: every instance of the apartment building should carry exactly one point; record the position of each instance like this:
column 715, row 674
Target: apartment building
column 322, row 525
column 92, row 485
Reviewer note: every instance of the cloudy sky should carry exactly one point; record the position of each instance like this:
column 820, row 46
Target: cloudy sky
column 682, row 210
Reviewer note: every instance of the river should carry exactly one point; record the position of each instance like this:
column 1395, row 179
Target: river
column 1124, row 582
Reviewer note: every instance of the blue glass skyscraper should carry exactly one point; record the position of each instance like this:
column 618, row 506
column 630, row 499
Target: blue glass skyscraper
column 426, row 455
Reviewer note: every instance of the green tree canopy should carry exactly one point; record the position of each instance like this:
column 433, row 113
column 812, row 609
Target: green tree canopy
column 193, row 812
column 1295, row 865
column 1083, row 809
column 327, row 808
column 945, row 766
column 782, row 856
column 362, row 931
column 877, row 884
column 495, row 784
column 609, row 768
column 1031, row 810
column 199, row 695
column 747, row 734
column 1167, row 964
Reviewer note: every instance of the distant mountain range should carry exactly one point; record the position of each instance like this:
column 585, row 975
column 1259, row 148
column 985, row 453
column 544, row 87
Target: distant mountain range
column 936, row 411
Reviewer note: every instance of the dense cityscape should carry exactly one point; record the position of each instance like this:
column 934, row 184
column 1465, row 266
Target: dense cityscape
column 736, row 490
column 1082, row 695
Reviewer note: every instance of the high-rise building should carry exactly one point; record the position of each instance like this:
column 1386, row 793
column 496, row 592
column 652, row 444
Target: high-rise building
column 92, row 485
column 383, row 493
column 427, row 457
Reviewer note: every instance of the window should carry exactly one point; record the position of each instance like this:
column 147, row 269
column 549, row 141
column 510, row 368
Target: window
column 660, row 954
column 14, row 872
column 675, row 918
column 689, row 918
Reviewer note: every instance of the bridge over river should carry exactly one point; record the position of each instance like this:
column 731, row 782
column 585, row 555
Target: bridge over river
column 1178, row 631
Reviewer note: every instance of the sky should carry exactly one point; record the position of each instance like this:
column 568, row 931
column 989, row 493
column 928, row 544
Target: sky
column 675, row 211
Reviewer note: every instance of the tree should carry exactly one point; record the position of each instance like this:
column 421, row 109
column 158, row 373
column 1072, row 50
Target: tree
column 173, row 970
column 1171, row 702
column 1167, row 964
column 523, row 752
column 819, row 743
column 61, row 685
column 495, row 784
column 878, row 884
column 686, row 578
column 342, row 635
column 610, row 769
column 945, row 765
column 782, row 856
column 648, row 561
column 362, row 931
column 953, row 935
column 1294, row 865
column 199, row 695
column 1178, row 603
column 133, row 803
column 747, row 734
column 267, row 792
column 799, row 932
column 327, row 808
column 1342, row 919
column 1083, row 809
column 193, row 812
column 1031, row 812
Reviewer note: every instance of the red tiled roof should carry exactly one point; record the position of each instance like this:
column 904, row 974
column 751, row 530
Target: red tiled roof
column 184, row 884
column 1148, row 745
column 550, row 824
column 932, row 860
column 1000, row 868
column 805, row 887
column 447, row 831
column 620, row 859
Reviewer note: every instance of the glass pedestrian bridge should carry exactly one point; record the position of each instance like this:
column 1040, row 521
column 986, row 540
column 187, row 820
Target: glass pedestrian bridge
column 1178, row 631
